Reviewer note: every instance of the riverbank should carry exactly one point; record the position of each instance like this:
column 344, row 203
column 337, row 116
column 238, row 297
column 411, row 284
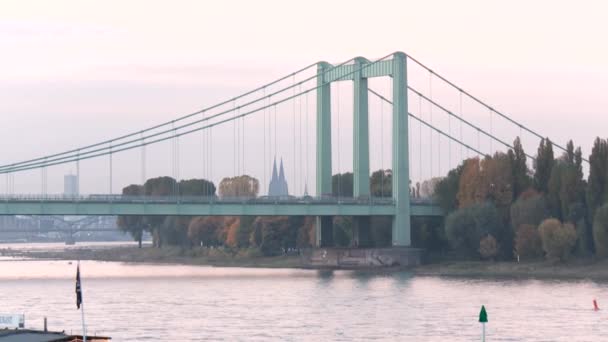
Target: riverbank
column 577, row 269
column 168, row 255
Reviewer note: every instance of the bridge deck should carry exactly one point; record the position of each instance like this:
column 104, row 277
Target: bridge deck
column 193, row 206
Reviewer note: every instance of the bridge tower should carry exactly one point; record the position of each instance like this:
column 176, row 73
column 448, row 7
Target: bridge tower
column 359, row 72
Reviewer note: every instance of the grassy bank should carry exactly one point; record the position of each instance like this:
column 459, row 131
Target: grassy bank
column 573, row 269
column 169, row 255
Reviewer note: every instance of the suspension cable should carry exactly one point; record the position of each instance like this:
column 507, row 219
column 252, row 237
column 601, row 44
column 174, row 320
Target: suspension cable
column 293, row 120
column 89, row 155
column 307, row 150
column 300, row 138
column 175, row 120
column 431, row 119
column 382, row 148
column 447, row 111
column 36, row 161
column 264, row 137
column 462, row 116
column 469, row 95
column 441, row 132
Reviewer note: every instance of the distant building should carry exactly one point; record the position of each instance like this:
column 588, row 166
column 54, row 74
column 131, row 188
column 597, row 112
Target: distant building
column 70, row 185
column 278, row 183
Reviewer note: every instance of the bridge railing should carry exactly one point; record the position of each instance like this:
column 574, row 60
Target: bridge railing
column 103, row 198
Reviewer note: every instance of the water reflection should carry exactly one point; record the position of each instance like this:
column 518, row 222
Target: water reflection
column 192, row 303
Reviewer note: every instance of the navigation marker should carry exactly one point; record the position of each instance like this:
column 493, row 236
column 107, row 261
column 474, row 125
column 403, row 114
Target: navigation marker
column 483, row 319
column 595, row 307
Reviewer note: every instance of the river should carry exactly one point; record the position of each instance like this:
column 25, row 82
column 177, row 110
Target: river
column 148, row 302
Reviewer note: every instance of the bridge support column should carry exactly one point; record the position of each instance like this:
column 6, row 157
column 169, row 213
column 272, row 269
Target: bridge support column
column 401, row 174
column 324, row 229
column 360, row 132
column 361, row 226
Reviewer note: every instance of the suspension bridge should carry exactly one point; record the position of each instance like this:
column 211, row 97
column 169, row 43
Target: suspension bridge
column 421, row 140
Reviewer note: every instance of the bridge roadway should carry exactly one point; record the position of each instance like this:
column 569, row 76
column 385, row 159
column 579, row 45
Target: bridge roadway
column 99, row 205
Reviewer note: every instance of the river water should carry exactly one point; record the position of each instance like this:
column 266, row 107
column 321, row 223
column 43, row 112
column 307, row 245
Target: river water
column 147, row 302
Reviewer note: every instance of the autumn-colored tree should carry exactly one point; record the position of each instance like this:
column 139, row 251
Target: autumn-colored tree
column 488, row 247
column 558, row 239
column 306, row 233
column 496, row 180
column 239, row 231
column 600, row 231
column 232, row 231
column 527, row 242
column 203, row 230
column 469, row 183
column 239, row 186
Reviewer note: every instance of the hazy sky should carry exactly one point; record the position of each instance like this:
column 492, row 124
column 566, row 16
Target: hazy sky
column 75, row 72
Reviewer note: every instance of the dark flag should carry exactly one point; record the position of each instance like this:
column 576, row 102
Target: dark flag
column 78, row 290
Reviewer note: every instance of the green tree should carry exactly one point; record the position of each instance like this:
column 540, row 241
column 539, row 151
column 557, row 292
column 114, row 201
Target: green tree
column 381, row 183
column 597, row 189
column 428, row 233
column 600, row 231
column 343, row 230
column 133, row 224
column 543, row 165
column 158, row 187
column 466, row 226
column 530, row 208
column 566, row 184
column 557, row 239
column 196, row 187
column 342, row 184
column 447, row 189
column 519, row 167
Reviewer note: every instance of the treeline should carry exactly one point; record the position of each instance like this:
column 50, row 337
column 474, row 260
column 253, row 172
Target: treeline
column 499, row 209
column 271, row 235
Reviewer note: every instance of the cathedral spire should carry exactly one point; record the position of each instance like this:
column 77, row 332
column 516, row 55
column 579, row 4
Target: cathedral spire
column 274, row 170
column 281, row 172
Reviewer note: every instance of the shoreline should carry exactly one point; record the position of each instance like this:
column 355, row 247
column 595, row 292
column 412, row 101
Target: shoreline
column 575, row 269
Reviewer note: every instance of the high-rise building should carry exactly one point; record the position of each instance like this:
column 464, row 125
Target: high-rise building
column 278, row 183
column 70, row 185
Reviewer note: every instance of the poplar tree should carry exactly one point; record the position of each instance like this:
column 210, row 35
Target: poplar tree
column 543, row 165
column 597, row 189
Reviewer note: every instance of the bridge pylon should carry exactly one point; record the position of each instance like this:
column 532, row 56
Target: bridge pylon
column 359, row 72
